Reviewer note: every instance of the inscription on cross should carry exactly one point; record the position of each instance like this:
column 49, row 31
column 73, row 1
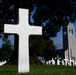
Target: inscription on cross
column 23, row 29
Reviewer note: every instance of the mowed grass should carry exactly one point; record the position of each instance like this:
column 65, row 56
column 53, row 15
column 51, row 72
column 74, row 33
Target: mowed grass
column 39, row 70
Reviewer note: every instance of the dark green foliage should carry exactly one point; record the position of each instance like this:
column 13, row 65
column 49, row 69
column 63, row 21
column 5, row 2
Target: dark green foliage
column 49, row 50
column 6, row 51
column 34, row 60
column 14, row 57
column 39, row 46
column 8, row 12
column 54, row 13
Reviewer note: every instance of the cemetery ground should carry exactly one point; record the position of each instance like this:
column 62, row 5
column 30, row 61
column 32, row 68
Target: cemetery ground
column 40, row 70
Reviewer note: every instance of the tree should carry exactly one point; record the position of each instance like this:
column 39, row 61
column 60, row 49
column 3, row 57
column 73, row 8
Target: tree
column 9, row 14
column 50, row 50
column 51, row 14
column 6, row 51
column 39, row 46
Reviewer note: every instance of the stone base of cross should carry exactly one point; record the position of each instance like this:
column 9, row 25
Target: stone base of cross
column 23, row 29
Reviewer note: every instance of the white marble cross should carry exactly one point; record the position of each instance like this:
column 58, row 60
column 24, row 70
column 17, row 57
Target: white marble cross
column 23, row 29
column 73, row 62
column 63, row 63
column 70, row 62
column 48, row 62
column 58, row 61
column 53, row 61
column 66, row 61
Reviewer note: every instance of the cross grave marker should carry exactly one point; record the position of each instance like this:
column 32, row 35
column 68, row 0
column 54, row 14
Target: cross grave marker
column 23, row 29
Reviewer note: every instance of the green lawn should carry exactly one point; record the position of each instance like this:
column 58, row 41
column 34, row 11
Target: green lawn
column 40, row 70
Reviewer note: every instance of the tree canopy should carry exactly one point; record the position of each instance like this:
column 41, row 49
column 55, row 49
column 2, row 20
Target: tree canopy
column 50, row 14
column 6, row 51
column 39, row 46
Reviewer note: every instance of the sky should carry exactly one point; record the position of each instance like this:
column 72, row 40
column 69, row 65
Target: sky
column 11, row 38
column 58, row 41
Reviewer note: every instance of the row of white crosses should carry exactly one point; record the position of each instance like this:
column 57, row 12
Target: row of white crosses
column 3, row 62
column 66, row 62
column 23, row 29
